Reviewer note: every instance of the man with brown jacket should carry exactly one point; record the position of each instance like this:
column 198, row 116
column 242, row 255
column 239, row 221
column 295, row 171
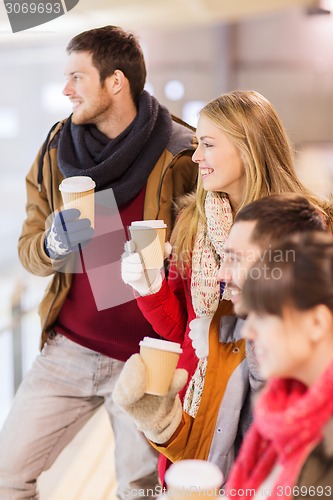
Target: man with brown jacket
column 140, row 159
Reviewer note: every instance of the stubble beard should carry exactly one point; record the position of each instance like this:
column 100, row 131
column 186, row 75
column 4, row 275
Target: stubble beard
column 95, row 112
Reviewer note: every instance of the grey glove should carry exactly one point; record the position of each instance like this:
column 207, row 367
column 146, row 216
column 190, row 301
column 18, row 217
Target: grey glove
column 157, row 416
column 67, row 233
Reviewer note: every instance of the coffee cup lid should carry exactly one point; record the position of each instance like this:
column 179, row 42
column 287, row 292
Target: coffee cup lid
column 77, row 184
column 163, row 345
column 194, row 473
column 154, row 224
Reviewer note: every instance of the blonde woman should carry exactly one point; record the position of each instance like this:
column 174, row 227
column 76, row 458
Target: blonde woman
column 243, row 154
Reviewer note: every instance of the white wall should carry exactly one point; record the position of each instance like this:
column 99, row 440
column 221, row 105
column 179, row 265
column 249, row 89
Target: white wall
column 288, row 57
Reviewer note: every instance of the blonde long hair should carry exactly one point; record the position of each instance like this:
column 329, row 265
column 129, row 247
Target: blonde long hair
column 252, row 124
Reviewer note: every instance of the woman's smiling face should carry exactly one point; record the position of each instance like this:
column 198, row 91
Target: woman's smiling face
column 220, row 164
column 283, row 346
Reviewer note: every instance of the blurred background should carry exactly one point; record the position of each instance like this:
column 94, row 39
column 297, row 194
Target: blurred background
column 195, row 50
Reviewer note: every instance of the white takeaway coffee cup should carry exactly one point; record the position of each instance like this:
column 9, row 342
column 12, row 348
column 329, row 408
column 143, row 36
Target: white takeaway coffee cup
column 160, row 358
column 193, row 479
column 78, row 192
column 149, row 239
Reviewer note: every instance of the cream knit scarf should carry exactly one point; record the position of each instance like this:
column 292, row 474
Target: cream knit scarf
column 205, row 288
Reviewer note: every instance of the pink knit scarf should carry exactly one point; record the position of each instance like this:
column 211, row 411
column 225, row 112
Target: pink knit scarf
column 288, row 422
column 207, row 252
column 205, row 287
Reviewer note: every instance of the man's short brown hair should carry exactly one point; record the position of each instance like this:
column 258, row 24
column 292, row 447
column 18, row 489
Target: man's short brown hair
column 280, row 215
column 113, row 48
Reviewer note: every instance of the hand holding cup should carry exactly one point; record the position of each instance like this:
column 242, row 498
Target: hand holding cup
column 157, row 416
column 142, row 261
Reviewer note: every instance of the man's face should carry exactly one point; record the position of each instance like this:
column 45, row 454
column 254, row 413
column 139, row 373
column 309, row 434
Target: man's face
column 92, row 103
column 240, row 255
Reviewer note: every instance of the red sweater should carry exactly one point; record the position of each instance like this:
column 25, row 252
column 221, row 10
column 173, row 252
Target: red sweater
column 100, row 311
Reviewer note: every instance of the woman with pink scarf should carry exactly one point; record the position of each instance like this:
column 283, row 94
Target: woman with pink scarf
column 288, row 451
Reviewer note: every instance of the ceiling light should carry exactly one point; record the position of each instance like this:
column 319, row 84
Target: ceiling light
column 174, row 90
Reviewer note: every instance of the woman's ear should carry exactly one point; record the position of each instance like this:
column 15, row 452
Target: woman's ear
column 321, row 322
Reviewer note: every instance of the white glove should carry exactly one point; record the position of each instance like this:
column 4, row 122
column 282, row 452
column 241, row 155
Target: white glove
column 157, row 416
column 199, row 333
column 133, row 272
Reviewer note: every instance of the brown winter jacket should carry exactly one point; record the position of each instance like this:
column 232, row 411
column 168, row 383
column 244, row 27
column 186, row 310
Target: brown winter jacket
column 173, row 175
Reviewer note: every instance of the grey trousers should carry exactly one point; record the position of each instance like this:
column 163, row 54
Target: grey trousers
column 62, row 390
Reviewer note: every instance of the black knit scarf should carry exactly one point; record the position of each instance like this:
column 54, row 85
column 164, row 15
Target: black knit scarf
column 123, row 163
